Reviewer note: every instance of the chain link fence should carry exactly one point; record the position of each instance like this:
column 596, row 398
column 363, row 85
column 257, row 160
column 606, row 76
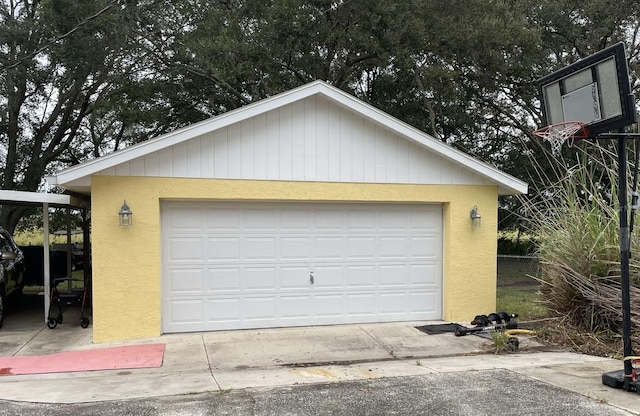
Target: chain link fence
column 518, row 269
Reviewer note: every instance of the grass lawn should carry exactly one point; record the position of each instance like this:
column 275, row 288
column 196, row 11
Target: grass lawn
column 523, row 300
column 517, row 292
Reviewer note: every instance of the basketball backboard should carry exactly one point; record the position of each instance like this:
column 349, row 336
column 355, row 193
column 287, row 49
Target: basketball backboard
column 594, row 90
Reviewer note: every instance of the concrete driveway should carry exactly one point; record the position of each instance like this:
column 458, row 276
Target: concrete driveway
column 292, row 358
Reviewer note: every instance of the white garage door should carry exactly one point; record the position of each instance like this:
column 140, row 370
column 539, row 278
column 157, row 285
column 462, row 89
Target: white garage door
column 256, row 265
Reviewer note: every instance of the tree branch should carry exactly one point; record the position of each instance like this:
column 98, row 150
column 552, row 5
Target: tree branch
column 58, row 38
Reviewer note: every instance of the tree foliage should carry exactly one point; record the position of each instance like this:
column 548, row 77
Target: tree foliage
column 81, row 79
column 56, row 59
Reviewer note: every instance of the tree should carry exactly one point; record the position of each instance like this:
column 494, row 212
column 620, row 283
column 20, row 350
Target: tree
column 79, row 81
column 52, row 69
column 73, row 86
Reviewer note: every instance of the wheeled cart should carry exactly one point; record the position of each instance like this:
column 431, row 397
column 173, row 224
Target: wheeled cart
column 74, row 297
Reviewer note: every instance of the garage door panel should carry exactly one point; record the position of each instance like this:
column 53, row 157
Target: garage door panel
column 427, row 274
column 329, row 305
column 393, row 219
column 393, row 303
column 293, row 278
column 393, row 247
column 185, row 218
column 222, row 249
column 258, row 308
column 427, row 302
column 185, row 248
column 185, row 311
column 223, row 219
column 223, row 310
column 294, row 307
column 295, row 248
column 361, row 276
column 260, row 219
column 224, row 280
column 248, row 264
column 425, row 247
column 259, row 279
column 361, row 248
column 328, row 277
column 392, row 275
column 294, row 220
column 361, row 304
column 258, row 248
column 186, row 281
column 327, row 219
column 328, row 248
column 427, row 219
column 361, row 219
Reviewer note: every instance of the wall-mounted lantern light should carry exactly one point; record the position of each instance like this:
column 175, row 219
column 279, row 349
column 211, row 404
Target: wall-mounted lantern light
column 475, row 217
column 125, row 214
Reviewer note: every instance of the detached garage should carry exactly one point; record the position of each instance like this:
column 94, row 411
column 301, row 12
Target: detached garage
column 308, row 208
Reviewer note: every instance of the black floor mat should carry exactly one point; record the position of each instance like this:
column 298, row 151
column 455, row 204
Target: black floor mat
column 439, row 328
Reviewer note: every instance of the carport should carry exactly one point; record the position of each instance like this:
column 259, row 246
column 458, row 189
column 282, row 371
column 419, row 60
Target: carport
column 47, row 201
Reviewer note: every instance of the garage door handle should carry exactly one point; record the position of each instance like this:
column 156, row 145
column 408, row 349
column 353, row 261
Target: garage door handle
column 311, row 279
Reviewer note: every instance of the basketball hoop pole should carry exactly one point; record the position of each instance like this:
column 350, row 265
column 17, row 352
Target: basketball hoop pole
column 624, row 261
column 626, row 380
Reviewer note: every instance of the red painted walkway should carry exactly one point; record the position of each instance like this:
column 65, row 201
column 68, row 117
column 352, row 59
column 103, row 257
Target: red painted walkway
column 135, row 356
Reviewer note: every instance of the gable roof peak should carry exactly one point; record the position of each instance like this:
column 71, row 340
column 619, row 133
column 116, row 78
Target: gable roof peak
column 506, row 183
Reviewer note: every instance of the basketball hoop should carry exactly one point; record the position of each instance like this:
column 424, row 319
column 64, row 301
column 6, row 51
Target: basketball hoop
column 558, row 133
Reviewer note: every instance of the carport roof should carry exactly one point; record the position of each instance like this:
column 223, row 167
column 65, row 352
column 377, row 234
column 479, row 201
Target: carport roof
column 78, row 177
column 8, row 197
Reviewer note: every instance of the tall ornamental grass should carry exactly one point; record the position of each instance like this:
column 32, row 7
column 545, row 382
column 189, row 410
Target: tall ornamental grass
column 576, row 222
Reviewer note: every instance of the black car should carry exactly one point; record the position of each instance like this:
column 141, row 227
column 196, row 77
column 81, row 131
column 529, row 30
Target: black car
column 11, row 270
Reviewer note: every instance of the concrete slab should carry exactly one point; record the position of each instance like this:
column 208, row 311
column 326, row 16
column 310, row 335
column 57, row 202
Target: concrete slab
column 21, row 325
column 268, row 347
column 26, row 330
column 205, row 362
column 403, row 340
column 65, row 337
column 507, row 361
column 285, row 375
column 586, row 378
column 98, row 386
column 184, row 352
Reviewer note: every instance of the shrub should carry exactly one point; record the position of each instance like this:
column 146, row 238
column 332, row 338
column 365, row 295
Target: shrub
column 515, row 244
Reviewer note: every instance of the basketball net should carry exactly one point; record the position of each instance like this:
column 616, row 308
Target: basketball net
column 558, row 133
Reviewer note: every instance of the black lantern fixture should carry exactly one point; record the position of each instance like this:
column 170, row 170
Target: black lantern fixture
column 125, row 214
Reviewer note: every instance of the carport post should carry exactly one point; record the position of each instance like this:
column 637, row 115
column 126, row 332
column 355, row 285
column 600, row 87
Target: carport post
column 69, row 250
column 47, row 268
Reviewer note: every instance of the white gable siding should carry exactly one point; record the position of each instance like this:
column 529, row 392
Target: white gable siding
column 311, row 140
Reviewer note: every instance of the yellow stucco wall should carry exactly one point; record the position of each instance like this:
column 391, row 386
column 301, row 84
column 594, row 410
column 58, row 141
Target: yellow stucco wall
column 127, row 263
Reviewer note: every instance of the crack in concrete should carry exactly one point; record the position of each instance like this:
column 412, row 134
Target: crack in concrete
column 24, row 345
column 206, row 353
column 378, row 341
